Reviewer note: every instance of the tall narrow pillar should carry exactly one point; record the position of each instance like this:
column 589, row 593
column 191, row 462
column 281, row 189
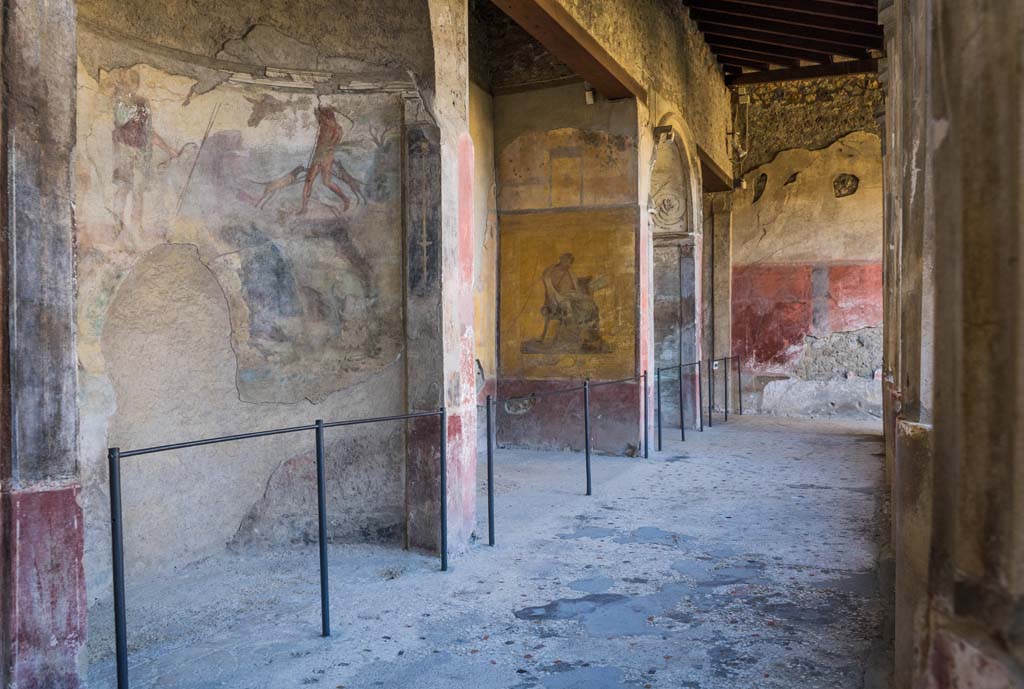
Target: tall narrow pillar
column 439, row 291
column 42, row 590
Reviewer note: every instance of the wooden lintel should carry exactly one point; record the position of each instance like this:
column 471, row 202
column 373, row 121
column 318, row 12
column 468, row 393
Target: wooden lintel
column 713, row 177
column 558, row 31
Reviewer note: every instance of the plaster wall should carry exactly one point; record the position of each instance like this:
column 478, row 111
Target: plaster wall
column 660, row 46
column 567, row 189
column 485, row 233
column 807, row 262
column 224, row 285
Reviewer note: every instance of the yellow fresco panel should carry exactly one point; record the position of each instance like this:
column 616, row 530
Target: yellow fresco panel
column 568, row 294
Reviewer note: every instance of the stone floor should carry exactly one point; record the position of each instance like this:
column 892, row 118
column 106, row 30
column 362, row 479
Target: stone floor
column 744, row 557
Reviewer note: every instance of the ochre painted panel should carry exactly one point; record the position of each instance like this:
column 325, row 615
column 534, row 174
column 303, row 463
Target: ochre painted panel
column 568, row 294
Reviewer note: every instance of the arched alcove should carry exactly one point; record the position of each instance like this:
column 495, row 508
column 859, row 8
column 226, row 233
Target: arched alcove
column 674, row 219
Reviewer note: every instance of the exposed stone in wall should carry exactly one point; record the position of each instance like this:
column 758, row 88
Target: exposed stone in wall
column 859, row 352
column 810, row 114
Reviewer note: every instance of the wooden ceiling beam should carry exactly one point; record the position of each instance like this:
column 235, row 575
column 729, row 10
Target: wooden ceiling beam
column 812, row 72
column 821, row 8
column 552, row 25
column 743, row 62
column 723, row 53
column 754, row 15
column 787, row 52
column 781, row 40
column 784, row 29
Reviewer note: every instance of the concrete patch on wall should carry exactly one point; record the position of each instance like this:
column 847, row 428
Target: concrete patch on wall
column 847, row 397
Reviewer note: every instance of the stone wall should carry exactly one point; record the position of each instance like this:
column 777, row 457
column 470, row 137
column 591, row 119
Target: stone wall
column 240, row 230
column 807, row 248
column 954, row 390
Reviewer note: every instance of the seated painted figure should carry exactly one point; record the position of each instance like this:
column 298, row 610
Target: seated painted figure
column 569, row 303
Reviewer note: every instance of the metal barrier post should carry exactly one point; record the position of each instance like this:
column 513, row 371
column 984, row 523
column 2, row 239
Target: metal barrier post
column 321, row 508
column 682, row 414
column 117, row 558
column 444, row 489
column 647, row 433
column 657, row 378
column 490, row 471
column 711, row 392
column 739, row 386
column 727, row 389
column 700, row 400
column 586, row 429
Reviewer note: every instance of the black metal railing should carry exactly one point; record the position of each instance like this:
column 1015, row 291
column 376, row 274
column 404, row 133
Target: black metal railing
column 711, row 386
column 682, row 404
column 587, row 386
column 115, row 455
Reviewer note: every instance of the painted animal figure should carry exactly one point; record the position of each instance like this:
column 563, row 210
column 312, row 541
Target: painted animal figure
column 339, row 172
column 270, row 188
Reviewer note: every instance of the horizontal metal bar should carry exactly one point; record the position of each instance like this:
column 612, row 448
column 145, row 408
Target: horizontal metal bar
column 397, row 417
column 215, row 441
column 264, row 434
column 543, row 393
column 667, row 368
column 615, row 382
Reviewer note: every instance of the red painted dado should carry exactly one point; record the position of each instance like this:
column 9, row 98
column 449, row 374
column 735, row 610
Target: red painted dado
column 556, row 422
column 774, row 307
column 855, row 293
column 43, row 586
column 772, row 311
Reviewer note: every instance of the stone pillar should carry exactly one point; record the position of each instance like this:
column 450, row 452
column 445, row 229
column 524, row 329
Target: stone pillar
column 439, row 309
column 955, row 176
column 975, row 149
column 42, row 590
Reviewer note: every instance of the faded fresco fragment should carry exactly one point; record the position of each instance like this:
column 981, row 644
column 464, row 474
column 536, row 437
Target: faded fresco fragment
column 567, row 294
column 291, row 199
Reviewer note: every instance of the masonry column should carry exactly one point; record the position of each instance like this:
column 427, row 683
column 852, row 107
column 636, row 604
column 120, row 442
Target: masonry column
column 976, row 148
column 42, row 591
column 439, row 312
